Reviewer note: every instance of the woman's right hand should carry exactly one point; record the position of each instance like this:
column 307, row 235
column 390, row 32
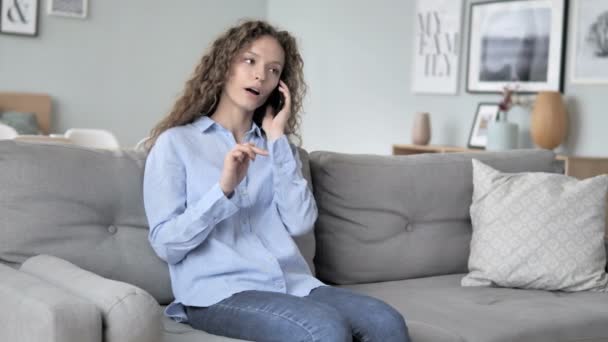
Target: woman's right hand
column 236, row 164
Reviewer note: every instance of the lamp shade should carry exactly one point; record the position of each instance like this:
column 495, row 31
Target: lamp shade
column 549, row 120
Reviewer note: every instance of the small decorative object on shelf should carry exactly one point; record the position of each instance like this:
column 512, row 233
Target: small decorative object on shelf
column 549, row 120
column 507, row 102
column 502, row 135
column 486, row 113
column 421, row 129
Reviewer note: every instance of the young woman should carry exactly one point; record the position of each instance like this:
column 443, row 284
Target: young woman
column 224, row 194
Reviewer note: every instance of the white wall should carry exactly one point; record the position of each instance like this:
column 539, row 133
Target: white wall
column 122, row 68
column 358, row 56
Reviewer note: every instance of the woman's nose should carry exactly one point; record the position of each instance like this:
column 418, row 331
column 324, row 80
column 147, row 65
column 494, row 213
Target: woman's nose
column 259, row 75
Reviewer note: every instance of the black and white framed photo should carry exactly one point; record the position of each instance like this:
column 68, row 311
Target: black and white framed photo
column 19, row 17
column 516, row 42
column 486, row 113
column 437, row 46
column 590, row 49
column 68, row 8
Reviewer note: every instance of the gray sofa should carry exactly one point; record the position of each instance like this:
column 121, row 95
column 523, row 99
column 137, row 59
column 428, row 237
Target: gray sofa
column 396, row 228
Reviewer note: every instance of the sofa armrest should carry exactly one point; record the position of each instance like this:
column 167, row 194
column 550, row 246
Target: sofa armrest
column 34, row 310
column 129, row 314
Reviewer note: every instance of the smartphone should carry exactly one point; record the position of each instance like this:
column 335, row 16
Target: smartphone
column 275, row 100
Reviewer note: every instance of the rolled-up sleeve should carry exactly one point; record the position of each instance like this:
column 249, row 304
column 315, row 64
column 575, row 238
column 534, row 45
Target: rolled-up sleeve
column 293, row 198
column 175, row 227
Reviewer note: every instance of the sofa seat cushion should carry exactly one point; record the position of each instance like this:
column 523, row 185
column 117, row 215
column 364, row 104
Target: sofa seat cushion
column 181, row 332
column 439, row 309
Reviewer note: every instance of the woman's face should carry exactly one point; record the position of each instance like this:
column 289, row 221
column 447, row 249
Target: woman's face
column 255, row 73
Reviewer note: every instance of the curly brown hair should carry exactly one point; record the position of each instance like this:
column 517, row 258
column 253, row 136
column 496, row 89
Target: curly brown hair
column 202, row 92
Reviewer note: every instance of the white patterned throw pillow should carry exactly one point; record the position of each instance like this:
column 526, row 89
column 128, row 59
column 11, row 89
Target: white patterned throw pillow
column 537, row 231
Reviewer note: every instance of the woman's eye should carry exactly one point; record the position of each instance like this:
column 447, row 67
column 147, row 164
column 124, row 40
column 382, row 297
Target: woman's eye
column 249, row 60
column 275, row 71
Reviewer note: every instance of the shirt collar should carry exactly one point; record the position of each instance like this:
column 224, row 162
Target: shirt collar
column 256, row 129
column 204, row 123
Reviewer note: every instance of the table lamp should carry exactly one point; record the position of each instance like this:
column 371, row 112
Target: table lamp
column 549, row 120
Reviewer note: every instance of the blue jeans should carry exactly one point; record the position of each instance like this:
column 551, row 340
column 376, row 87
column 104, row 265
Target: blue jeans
column 327, row 314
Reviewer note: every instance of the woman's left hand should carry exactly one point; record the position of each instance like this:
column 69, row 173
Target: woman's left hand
column 274, row 125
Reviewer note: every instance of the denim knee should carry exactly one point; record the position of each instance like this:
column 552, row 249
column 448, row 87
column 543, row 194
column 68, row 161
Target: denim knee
column 330, row 326
column 389, row 323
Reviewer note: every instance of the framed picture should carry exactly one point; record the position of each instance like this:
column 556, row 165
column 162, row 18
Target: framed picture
column 68, row 8
column 19, row 17
column 486, row 113
column 516, row 41
column 590, row 48
column 437, row 46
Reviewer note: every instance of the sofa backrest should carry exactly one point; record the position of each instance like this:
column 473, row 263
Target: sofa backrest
column 85, row 206
column 385, row 218
column 380, row 217
column 306, row 243
column 82, row 205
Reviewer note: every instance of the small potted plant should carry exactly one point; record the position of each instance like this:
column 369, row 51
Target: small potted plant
column 505, row 105
column 502, row 134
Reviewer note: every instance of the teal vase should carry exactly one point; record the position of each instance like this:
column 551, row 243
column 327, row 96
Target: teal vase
column 502, row 134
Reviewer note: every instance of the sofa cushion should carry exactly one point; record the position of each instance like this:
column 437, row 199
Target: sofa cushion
column 82, row 205
column 438, row 309
column 537, row 230
column 398, row 217
column 180, row 332
column 35, row 310
column 129, row 314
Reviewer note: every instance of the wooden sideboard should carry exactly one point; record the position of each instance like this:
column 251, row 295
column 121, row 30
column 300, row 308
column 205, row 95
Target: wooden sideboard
column 579, row 167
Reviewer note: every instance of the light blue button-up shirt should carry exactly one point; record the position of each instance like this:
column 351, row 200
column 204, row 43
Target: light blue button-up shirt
column 216, row 246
